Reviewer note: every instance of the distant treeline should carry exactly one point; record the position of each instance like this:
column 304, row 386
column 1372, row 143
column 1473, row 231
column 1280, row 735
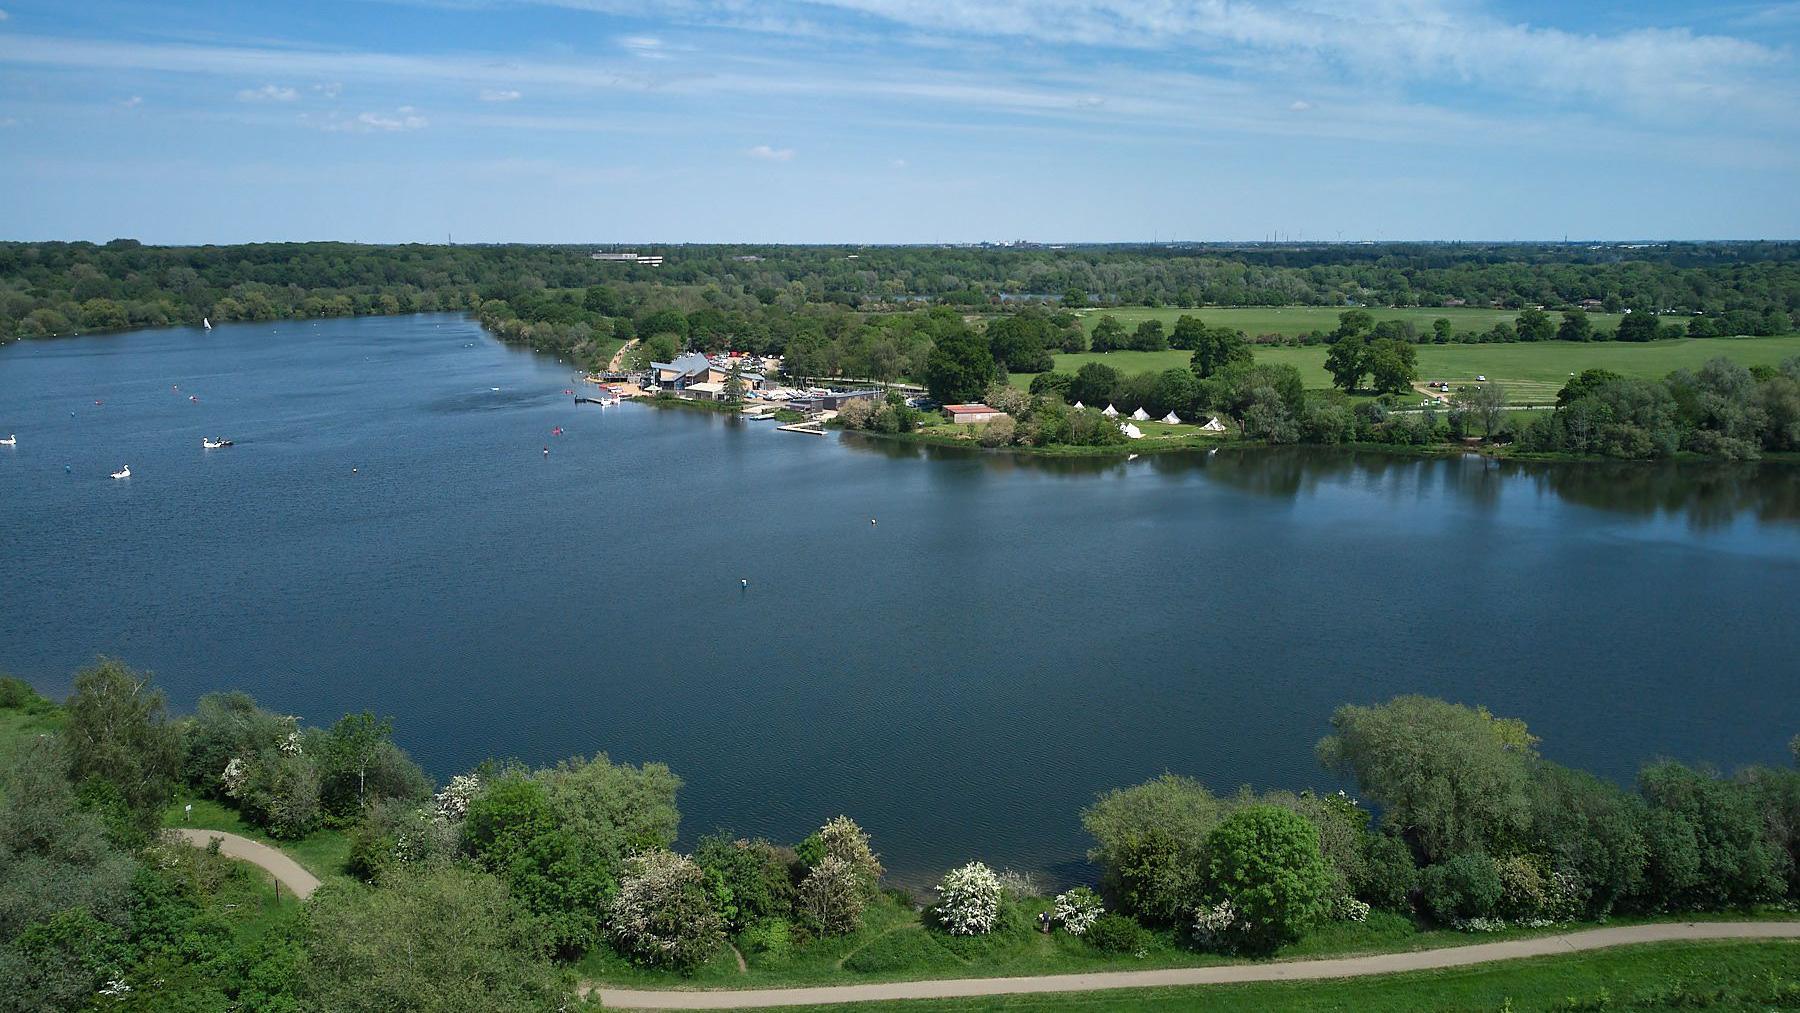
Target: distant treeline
column 60, row 288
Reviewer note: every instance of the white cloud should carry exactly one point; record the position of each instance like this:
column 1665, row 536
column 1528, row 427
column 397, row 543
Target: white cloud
column 898, row 163
column 501, row 95
column 4, row 15
column 331, row 90
column 1300, row 105
column 133, row 102
column 402, row 119
column 648, row 47
column 268, row 93
column 766, row 153
column 8, row 121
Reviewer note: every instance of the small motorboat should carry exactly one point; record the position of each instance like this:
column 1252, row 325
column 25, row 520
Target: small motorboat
column 124, row 472
column 10, row 441
column 556, row 432
column 194, row 398
column 212, row 444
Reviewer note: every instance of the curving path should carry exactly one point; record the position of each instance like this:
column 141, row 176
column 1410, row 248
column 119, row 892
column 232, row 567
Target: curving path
column 286, row 871
column 1293, row 970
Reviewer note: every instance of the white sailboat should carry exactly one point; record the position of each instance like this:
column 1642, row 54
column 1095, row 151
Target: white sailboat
column 124, row 472
column 206, row 322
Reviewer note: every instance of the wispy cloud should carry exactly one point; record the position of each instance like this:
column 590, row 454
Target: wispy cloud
column 131, row 103
column 771, row 154
column 405, row 118
column 4, row 15
column 268, row 93
column 329, row 90
column 501, row 95
column 647, row 47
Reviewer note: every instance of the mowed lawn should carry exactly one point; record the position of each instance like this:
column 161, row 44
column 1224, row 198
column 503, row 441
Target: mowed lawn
column 1531, row 372
column 1296, row 320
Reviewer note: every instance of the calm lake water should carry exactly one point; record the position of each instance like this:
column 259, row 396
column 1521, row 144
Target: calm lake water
column 1012, row 637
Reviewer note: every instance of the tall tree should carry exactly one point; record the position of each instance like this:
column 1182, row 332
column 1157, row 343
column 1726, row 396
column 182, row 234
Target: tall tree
column 1347, row 362
column 960, row 367
column 119, row 733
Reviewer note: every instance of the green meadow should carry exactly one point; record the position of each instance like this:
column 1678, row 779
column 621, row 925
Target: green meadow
column 1291, row 321
column 1531, row 372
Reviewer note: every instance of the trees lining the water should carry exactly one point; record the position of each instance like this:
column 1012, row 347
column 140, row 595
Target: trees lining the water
column 516, row 872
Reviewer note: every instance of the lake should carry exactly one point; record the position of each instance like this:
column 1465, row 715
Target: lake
column 1010, row 638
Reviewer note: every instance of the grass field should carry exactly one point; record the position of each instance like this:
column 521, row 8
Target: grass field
column 1715, row 975
column 1531, row 372
column 1296, row 320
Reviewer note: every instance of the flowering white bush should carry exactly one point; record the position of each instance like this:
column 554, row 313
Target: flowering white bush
column 1480, row 925
column 1018, row 884
column 291, row 744
column 969, row 900
column 831, row 897
column 237, row 773
column 663, row 915
column 1349, row 909
column 1220, row 925
column 846, row 841
column 452, row 803
column 1077, row 909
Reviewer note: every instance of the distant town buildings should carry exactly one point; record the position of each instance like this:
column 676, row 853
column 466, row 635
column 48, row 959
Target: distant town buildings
column 651, row 260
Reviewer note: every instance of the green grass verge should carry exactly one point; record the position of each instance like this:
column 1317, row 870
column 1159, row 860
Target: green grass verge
column 1531, row 372
column 323, row 853
column 1713, row 975
column 893, row 945
column 18, row 728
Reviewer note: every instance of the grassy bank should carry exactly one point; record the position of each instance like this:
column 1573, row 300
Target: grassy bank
column 1531, row 372
column 895, row 945
column 1714, row 975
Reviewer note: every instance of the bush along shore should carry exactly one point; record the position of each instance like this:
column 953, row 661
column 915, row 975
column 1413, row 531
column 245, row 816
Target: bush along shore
column 546, row 872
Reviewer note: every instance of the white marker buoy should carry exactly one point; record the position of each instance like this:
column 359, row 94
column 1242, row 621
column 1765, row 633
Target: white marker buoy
column 745, row 581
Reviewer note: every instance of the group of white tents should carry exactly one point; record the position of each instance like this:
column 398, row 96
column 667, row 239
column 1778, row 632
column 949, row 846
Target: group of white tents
column 1212, row 425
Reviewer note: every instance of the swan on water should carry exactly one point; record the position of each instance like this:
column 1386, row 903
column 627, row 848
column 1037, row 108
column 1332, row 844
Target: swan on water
column 124, row 472
column 10, row 441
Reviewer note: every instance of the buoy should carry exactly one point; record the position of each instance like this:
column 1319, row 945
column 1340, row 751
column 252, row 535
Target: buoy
column 745, row 581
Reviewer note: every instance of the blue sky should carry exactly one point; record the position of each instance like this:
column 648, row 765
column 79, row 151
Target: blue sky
column 897, row 120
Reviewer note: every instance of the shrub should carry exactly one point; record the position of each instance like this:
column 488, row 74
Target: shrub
column 832, row 897
column 17, row 694
column 1265, row 861
column 1149, row 843
column 1465, row 887
column 1117, row 933
column 997, row 433
column 772, row 938
column 842, row 839
column 662, row 916
column 969, row 900
column 748, row 880
column 1388, row 874
column 1077, row 909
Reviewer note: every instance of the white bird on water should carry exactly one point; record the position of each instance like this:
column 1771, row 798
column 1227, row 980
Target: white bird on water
column 124, row 472
column 10, row 441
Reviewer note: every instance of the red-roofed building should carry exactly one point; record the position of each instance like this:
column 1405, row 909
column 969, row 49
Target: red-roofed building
column 969, row 414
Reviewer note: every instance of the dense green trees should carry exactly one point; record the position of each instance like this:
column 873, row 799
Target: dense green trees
column 960, row 368
column 119, row 735
column 430, row 939
column 1721, row 410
